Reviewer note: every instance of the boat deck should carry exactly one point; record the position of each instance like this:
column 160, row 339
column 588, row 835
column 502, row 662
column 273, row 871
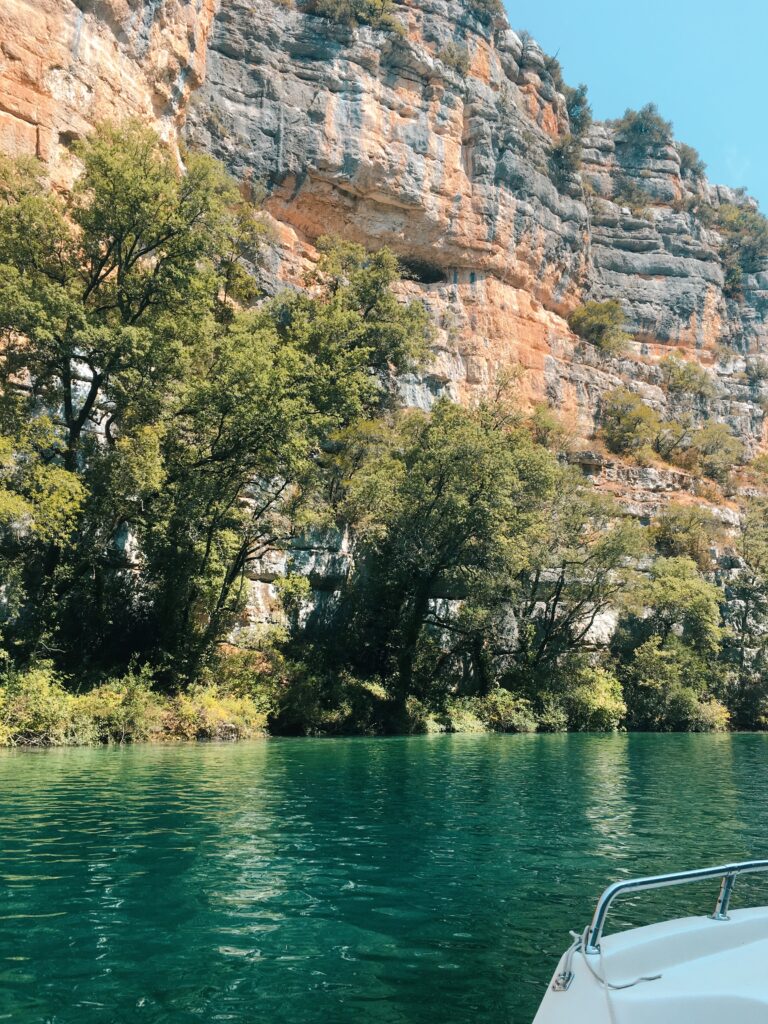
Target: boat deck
column 711, row 971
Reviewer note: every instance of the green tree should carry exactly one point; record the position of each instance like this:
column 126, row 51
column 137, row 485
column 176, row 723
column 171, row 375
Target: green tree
column 746, row 613
column 579, row 110
column 692, row 166
column 686, row 378
column 245, row 440
column 668, row 688
column 686, row 530
column 676, row 600
column 580, row 568
column 376, row 13
column 159, row 440
column 445, row 504
column 628, row 424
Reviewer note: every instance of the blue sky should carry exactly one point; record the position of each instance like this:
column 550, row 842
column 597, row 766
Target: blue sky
column 703, row 63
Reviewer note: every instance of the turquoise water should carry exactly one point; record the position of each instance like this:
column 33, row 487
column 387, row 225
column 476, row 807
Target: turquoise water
column 428, row 879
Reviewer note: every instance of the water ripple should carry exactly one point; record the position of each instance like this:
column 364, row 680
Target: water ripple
column 407, row 880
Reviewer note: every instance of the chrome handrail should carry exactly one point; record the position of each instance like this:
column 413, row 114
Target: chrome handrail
column 726, row 872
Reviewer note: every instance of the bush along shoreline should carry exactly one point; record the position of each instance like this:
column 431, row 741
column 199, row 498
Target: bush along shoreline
column 165, row 427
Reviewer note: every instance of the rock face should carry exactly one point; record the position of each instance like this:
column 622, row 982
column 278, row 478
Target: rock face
column 382, row 139
column 66, row 64
column 437, row 141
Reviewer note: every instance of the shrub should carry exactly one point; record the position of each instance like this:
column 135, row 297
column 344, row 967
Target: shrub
column 686, row 530
column 595, row 703
column 295, row 593
column 551, row 714
column 554, row 69
column 502, row 711
column 36, row 709
column 124, row 710
column 579, row 110
column 208, row 712
column 418, row 719
column 628, row 424
column 628, row 193
column 486, row 10
column 667, row 686
column 692, row 166
column 644, row 128
column 461, row 715
column 548, row 429
column 309, row 703
column 716, row 451
column 602, row 324
column 376, row 13
column 744, row 230
column 757, row 370
column 455, row 56
column 683, row 377
column 564, row 160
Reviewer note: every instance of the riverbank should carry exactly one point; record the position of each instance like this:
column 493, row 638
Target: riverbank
column 39, row 709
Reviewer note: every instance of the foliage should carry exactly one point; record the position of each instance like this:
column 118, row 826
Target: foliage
column 629, row 426
column 667, row 686
column 744, row 250
column 692, row 167
column 549, row 429
column 213, row 714
column 682, row 376
column 164, row 428
column 189, row 432
column 454, row 56
column 676, row 601
column 565, row 160
column 376, row 13
column 686, row 530
column 554, row 69
column 579, row 110
column 124, row 710
column 313, row 702
column 37, row 709
column 746, row 611
column 295, row 592
column 757, row 370
column 486, row 10
column 447, row 501
column 502, row 711
column 602, row 324
column 644, row 128
column 580, row 567
column 594, row 702
column 628, row 193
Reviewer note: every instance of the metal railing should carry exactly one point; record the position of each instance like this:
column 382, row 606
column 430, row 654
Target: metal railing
column 728, row 873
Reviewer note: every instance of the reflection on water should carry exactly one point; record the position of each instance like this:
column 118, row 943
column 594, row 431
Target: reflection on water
column 408, row 880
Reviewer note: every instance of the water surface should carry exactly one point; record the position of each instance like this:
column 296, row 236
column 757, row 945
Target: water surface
column 428, row 879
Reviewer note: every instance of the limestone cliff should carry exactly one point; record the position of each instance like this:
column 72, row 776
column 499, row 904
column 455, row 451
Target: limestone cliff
column 66, row 64
column 380, row 138
column 438, row 142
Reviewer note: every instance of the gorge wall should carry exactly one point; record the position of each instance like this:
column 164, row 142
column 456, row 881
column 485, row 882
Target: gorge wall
column 436, row 140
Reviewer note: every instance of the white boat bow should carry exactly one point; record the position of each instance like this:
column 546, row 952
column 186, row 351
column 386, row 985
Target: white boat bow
column 693, row 970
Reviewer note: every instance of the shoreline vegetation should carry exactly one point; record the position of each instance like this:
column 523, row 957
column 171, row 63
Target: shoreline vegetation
column 166, row 426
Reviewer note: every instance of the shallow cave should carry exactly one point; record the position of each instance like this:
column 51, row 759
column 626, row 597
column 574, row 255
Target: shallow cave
column 422, row 271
